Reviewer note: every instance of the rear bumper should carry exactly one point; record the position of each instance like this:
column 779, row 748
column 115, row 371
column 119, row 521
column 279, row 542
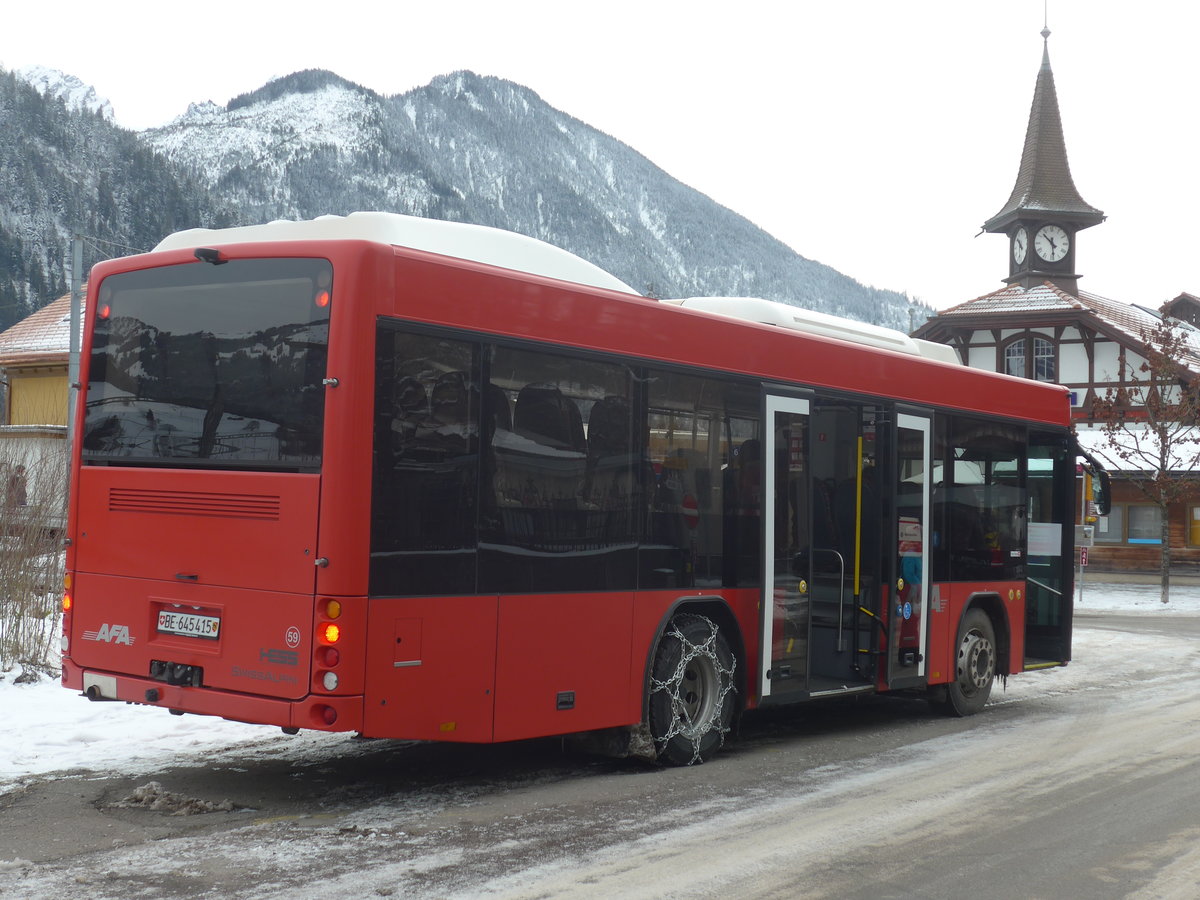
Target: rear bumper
column 307, row 712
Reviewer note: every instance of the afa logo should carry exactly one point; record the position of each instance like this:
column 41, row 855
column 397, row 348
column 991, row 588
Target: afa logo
column 110, row 634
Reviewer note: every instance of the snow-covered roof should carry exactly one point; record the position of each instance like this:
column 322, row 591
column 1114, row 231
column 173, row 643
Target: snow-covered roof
column 1136, row 448
column 1016, row 299
column 42, row 338
column 478, row 243
column 1122, row 320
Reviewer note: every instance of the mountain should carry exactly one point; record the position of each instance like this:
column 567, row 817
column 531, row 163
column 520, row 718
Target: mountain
column 472, row 149
column 69, row 170
column 69, row 89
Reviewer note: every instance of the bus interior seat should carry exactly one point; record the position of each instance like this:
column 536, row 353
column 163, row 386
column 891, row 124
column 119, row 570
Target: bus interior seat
column 610, row 480
column 450, row 400
column 499, row 411
column 410, row 409
column 609, row 428
column 545, row 416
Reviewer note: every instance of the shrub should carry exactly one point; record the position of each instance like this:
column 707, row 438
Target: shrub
column 33, row 490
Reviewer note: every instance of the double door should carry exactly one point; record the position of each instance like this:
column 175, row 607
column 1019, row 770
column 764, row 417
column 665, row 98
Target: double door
column 846, row 546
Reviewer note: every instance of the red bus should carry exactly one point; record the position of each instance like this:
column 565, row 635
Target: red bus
column 424, row 480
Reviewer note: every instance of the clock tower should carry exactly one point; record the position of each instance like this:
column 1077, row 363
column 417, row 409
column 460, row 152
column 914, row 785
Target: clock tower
column 1044, row 212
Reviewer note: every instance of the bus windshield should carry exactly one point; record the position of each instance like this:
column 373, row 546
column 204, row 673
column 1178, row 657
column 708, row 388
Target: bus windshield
column 210, row 365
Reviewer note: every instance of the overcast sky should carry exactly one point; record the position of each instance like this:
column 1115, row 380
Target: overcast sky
column 873, row 135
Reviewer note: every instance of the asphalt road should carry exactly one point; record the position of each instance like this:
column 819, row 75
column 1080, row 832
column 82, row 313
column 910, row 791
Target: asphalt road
column 1075, row 783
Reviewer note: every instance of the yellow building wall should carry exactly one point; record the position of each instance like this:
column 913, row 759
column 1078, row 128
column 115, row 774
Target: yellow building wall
column 37, row 398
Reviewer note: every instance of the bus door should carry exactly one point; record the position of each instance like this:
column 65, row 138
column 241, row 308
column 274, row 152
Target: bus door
column 786, row 574
column 908, row 620
column 821, row 556
column 1049, row 581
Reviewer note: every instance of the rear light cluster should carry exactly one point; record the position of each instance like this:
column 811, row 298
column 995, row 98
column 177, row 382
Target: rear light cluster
column 65, row 640
column 327, row 655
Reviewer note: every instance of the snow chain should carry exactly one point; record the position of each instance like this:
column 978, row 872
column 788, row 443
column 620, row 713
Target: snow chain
column 676, row 687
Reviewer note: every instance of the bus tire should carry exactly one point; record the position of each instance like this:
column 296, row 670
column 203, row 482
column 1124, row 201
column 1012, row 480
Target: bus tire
column 974, row 665
column 691, row 694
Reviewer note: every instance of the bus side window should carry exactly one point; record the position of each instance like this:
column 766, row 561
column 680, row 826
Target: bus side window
column 985, row 511
column 563, row 494
column 403, row 414
column 611, row 485
column 426, row 477
column 540, row 467
column 703, row 442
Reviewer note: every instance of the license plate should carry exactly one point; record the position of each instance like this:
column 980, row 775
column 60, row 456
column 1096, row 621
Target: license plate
column 189, row 624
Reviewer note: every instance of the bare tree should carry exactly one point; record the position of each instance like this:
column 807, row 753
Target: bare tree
column 32, row 501
column 1149, row 425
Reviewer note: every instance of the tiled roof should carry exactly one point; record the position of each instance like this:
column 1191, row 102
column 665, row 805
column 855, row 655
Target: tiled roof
column 1044, row 182
column 1184, row 306
column 44, row 337
column 1044, row 297
column 1133, row 324
column 1138, row 323
column 1134, row 321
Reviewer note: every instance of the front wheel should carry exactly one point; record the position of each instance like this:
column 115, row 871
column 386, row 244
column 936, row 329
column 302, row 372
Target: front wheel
column 974, row 665
column 692, row 694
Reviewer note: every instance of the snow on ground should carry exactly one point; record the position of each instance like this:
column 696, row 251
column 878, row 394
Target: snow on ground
column 49, row 729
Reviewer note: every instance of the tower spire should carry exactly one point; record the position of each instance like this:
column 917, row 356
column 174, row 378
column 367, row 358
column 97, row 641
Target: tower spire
column 1044, row 211
column 1044, row 184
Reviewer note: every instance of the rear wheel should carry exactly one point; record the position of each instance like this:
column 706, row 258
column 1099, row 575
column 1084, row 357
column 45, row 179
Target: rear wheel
column 974, row 665
column 692, row 694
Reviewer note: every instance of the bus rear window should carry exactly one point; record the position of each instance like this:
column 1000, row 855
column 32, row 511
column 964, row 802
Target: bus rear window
column 210, row 365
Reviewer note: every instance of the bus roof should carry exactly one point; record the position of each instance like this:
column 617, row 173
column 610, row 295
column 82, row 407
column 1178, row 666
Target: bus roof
column 478, row 243
column 517, row 252
column 784, row 315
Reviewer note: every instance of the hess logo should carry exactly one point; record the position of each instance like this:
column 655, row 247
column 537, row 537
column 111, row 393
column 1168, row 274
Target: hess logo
column 110, row 634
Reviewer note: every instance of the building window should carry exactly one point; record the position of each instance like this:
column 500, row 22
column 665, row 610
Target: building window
column 1194, row 526
column 1110, row 529
column 1043, row 355
column 1142, row 524
column 1014, row 358
column 1145, row 524
column 1043, row 359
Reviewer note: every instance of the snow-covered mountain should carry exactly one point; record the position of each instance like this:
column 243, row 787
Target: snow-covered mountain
column 472, row 149
column 485, row 150
column 68, row 170
column 68, row 88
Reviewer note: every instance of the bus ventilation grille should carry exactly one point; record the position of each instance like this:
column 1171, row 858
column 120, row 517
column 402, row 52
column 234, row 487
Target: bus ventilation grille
column 195, row 503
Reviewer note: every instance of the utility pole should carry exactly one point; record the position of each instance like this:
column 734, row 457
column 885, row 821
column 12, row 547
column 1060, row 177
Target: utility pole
column 73, row 358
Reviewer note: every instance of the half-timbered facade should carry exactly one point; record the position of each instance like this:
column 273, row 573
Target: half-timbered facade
column 1041, row 325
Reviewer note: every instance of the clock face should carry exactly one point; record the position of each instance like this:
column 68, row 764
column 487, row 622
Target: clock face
column 1051, row 243
column 1020, row 245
